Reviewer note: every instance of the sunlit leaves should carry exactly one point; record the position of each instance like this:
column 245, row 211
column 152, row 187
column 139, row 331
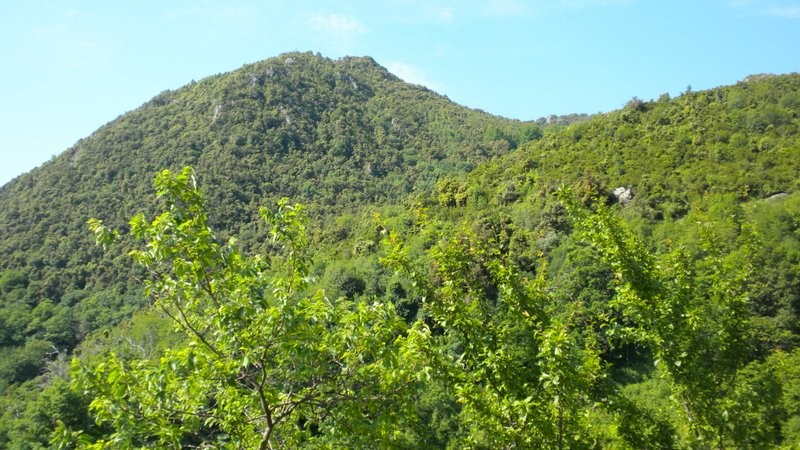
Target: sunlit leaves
column 507, row 354
column 270, row 361
column 689, row 308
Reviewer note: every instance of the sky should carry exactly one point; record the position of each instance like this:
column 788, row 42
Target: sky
column 69, row 66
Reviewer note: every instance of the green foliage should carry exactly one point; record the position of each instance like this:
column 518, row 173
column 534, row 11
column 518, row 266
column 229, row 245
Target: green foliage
column 270, row 361
column 337, row 135
column 334, row 134
column 31, row 412
column 25, row 362
column 451, row 192
column 708, row 287
column 775, row 296
column 786, row 367
column 689, row 307
column 508, row 358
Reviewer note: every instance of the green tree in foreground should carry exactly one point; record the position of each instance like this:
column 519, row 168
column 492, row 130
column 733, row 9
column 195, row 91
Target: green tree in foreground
column 689, row 309
column 271, row 362
column 502, row 348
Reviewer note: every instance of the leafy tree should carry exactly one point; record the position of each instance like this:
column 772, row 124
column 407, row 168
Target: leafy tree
column 270, row 361
column 498, row 346
column 689, row 307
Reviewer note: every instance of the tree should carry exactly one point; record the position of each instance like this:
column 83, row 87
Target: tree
column 270, row 361
column 497, row 343
column 689, row 308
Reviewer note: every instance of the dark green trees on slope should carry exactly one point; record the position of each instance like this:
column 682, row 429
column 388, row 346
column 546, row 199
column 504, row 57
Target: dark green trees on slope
column 740, row 140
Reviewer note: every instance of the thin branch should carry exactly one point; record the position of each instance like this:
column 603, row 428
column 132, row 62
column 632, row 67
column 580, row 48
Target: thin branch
column 185, row 323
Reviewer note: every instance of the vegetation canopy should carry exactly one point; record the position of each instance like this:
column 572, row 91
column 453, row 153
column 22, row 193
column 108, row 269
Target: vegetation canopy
column 453, row 280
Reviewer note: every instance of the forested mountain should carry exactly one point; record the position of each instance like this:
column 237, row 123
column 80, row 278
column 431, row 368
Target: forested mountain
column 628, row 281
column 336, row 135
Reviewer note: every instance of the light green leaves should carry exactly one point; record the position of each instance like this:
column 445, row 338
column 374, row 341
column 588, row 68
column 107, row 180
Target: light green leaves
column 521, row 376
column 103, row 235
column 270, row 360
column 688, row 307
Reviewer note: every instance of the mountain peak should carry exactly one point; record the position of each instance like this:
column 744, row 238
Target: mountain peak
column 334, row 134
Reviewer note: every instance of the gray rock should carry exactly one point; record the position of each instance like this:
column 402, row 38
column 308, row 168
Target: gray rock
column 776, row 196
column 623, row 194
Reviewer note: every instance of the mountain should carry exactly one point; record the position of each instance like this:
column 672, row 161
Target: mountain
column 739, row 140
column 347, row 138
column 335, row 135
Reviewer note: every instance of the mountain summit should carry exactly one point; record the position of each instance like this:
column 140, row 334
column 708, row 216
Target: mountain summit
column 334, row 134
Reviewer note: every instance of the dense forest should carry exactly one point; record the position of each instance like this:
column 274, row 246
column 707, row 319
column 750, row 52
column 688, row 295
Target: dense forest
column 334, row 258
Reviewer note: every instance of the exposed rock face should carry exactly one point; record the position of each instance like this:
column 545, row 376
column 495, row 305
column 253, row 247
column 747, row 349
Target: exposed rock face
column 623, row 194
column 777, row 196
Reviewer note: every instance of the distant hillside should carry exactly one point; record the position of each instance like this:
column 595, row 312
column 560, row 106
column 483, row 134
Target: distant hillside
column 335, row 135
column 742, row 140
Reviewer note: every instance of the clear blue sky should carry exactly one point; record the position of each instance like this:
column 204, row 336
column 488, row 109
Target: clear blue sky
column 69, row 66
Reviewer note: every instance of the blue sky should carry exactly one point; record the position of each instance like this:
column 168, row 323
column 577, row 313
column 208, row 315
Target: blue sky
column 69, row 66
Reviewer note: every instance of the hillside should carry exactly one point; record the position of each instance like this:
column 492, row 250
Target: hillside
column 688, row 295
column 348, row 139
column 335, row 135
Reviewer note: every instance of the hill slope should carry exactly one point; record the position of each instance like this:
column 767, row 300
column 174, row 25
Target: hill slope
column 740, row 139
column 333, row 134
